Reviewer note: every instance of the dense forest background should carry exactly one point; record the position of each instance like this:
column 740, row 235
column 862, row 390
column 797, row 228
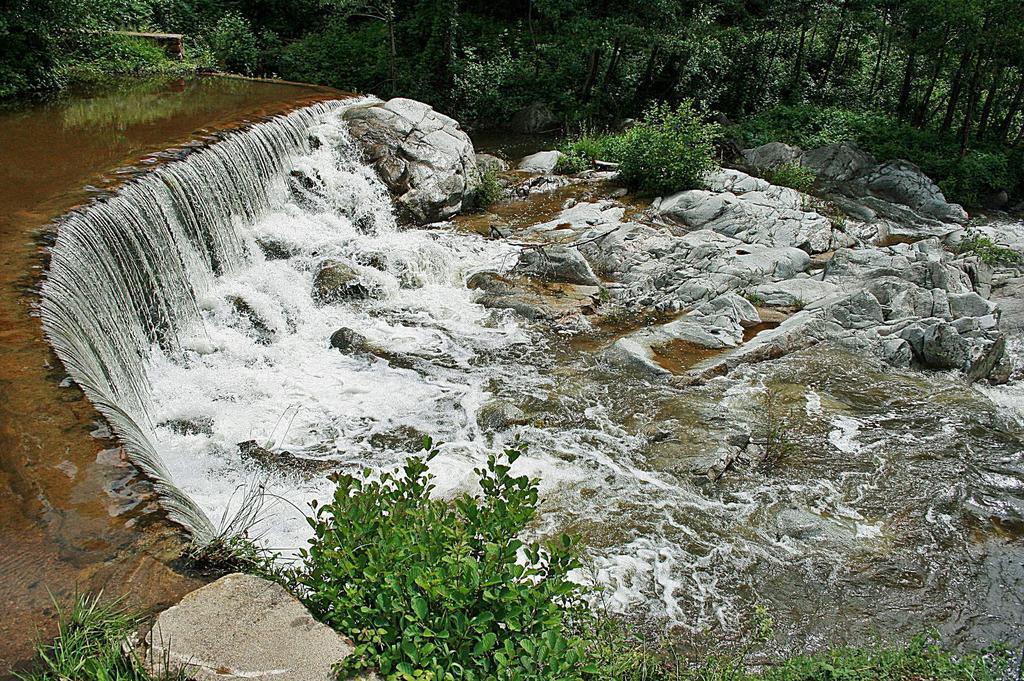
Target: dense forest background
column 937, row 81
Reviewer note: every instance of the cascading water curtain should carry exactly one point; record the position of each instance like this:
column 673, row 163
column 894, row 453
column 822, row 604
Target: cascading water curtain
column 125, row 274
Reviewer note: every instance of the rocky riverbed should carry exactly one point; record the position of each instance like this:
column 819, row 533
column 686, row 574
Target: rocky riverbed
column 739, row 396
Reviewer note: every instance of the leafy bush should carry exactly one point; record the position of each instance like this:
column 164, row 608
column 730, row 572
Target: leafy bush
column 438, row 590
column 794, row 176
column 962, row 179
column 579, row 154
column 89, row 646
column 490, row 190
column 989, row 252
column 234, row 44
column 669, row 150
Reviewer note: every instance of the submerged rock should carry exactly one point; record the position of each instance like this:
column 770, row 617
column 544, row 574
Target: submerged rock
column 349, row 341
column 500, row 415
column 337, row 282
column 197, row 425
column 243, row 626
column 261, row 329
column 423, row 157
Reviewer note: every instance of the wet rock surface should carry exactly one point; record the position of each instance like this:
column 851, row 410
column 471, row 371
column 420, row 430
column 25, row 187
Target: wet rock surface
column 710, row 253
column 424, row 157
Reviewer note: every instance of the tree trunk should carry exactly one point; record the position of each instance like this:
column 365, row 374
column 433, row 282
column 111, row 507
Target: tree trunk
column 990, row 100
column 922, row 110
column 878, row 56
column 834, row 51
column 798, row 67
column 972, row 102
column 954, row 90
column 1015, row 106
column 643, row 86
column 593, row 64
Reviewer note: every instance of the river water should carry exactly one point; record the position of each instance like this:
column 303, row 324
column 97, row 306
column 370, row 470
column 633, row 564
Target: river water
column 899, row 508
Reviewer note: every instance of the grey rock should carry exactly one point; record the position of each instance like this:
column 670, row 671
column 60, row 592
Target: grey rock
column 541, row 162
column 753, row 211
column 423, row 157
column 488, row 163
column 969, row 305
column 837, row 162
column 337, row 282
column 242, row 626
column 789, row 292
column 901, row 182
column 500, row 415
column 557, row 264
column 859, row 310
column 770, row 156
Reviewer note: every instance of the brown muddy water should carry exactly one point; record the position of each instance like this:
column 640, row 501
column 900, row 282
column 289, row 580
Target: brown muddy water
column 74, row 517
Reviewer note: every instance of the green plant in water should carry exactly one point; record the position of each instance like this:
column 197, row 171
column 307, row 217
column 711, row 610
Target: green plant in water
column 90, row 646
column 429, row 589
column 773, row 432
column 794, row 176
column 490, row 190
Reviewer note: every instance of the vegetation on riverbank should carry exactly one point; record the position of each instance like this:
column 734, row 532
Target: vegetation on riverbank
column 940, row 84
column 668, row 150
column 91, row 646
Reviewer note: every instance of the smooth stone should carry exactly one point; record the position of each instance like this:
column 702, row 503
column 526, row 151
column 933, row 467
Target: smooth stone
column 244, row 627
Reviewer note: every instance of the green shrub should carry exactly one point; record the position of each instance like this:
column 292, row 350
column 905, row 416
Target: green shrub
column 989, row 252
column 234, row 44
column 434, row 590
column 669, row 150
column 579, row 153
column 794, row 176
column 490, row 190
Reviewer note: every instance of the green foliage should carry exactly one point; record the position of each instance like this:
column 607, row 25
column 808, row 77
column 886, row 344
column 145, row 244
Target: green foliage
column 579, row 153
column 989, row 252
column 774, row 424
column 794, row 176
column 89, row 646
column 431, row 589
column 490, row 190
column 234, row 44
column 669, row 150
column 963, row 179
column 103, row 57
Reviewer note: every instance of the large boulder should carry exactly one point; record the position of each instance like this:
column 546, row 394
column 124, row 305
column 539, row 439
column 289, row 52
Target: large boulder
column 754, row 211
column 424, row 157
column 771, row 156
column 243, row 627
column 558, row 264
column 837, row 162
column 541, row 162
column 902, row 182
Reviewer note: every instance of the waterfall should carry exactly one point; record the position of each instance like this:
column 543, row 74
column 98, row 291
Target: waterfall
column 126, row 274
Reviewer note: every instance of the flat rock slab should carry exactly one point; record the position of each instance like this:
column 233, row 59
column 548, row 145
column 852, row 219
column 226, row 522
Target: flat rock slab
column 245, row 627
